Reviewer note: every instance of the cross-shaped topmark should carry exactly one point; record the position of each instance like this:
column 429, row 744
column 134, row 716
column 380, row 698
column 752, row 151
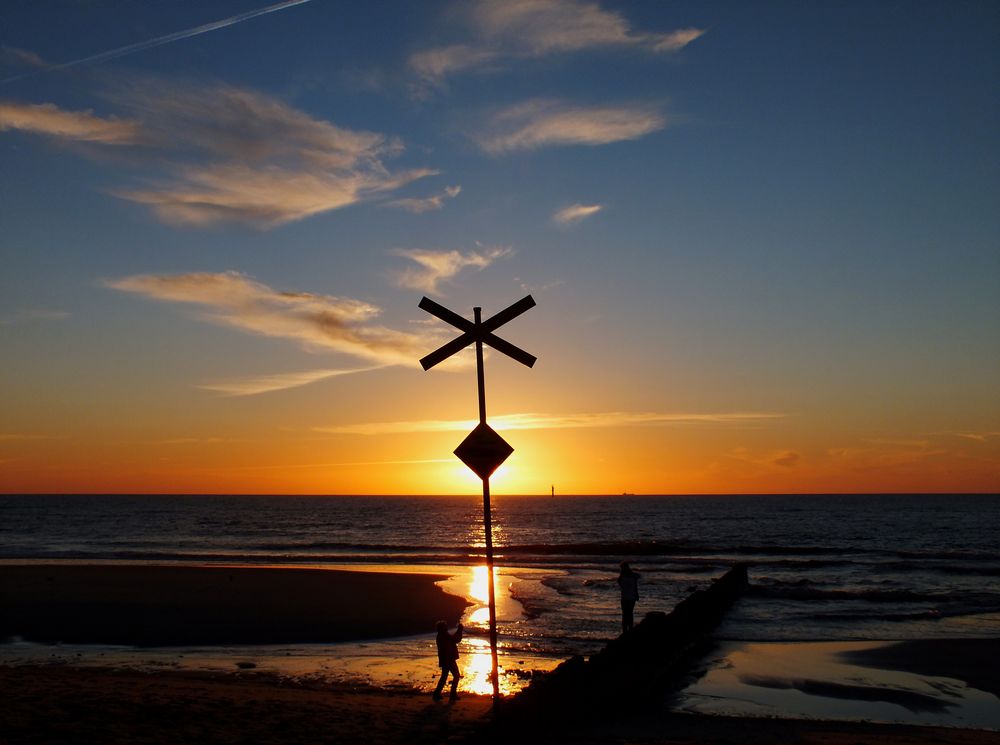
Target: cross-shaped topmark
column 477, row 332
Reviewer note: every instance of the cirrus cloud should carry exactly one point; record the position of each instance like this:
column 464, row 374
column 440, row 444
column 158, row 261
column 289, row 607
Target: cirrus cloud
column 554, row 421
column 322, row 322
column 418, row 205
column 264, row 197
column 252, row 386
column 81, row 126
column 435, row 267
column 535, row 28
column 218, row 153
column 575, row 213
column 544, row 122
column 543, row 26
column 434, row 65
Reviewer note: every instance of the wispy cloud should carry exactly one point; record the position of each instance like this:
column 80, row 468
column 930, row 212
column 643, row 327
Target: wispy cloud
column 229, row 154
column 767, row 460
column 83, row 126
column 425, row 204
column 258, row 160
column 433, row 66
column 194, row 441
column 252, row 386
column 543, row 26
column 544, row 122
column 20, row 436
column 535, row 288
column 575, row 213
column 287, row 466
column 877, row 458
column 786, row 459
column 265, row 197
column 973, row 436
column 21, row 57
column 155, row 42
column 535, row 28
column 435, row 267
column 319, row 321
column 33, row 314
column 554, row 421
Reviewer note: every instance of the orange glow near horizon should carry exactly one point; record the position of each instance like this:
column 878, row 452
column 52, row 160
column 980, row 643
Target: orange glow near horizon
column 783, row 456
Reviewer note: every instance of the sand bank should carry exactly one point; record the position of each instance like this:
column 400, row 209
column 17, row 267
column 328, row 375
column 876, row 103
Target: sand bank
column 186, row 605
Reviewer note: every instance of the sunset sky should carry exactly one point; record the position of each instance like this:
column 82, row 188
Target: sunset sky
column 763, row 238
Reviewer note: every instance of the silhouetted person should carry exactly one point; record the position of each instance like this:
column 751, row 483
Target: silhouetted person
column 628, row 581
column 447, row 645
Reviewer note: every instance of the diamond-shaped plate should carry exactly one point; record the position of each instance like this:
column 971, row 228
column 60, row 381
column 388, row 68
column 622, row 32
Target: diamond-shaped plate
column 483, row 450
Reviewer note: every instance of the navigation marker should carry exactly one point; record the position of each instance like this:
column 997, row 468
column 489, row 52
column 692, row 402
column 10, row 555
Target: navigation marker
column 483, row 450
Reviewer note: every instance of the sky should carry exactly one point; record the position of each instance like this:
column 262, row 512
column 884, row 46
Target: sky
column 763, row 239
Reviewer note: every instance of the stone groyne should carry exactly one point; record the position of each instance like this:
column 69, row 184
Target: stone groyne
column 637, row 667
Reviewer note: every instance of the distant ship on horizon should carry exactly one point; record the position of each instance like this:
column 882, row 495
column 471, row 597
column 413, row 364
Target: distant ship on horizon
column 552, row 492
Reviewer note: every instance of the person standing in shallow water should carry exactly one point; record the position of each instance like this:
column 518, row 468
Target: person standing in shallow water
column 447, row 646
column 628, row 581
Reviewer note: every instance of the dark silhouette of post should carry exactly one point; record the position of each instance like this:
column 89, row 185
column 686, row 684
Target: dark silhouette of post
column 483, row 450
column 487, row 516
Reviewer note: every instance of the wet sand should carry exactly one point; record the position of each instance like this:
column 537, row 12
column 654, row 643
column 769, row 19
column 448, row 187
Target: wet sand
column 973, row 661
column 154, row 605
column 930, row 682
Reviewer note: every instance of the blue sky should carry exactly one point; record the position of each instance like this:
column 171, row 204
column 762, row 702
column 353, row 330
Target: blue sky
column 781, row 210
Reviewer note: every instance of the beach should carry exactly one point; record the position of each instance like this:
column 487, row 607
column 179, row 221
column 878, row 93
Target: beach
column 64, row 697
column 67, row 704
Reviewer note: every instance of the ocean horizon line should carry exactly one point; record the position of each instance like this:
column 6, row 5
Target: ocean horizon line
column 531, row 495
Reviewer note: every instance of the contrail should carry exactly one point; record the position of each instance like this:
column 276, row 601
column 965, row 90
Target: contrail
column 160, row 40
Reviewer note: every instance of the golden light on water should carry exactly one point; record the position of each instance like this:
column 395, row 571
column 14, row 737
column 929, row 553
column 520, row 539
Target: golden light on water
column 478, row 660
column 479, row 590
column 480, row 616
column 479, row 583
column 476, row 669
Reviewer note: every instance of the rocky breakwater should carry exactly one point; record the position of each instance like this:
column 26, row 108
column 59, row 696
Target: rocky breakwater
column 637, row 667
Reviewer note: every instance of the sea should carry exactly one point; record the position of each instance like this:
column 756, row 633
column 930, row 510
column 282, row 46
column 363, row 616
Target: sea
column 829, row 574
column 822, row 567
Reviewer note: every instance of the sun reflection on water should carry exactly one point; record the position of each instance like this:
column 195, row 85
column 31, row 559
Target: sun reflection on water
column 479, row 662
column 479, row 588
column 476, row 668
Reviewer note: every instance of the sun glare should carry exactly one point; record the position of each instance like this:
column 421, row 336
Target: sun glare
column 476, row 671
column 479, row 584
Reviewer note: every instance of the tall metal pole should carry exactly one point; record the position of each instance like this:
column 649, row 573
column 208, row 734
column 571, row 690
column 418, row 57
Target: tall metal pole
column 483, row 450
column 487, row 520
